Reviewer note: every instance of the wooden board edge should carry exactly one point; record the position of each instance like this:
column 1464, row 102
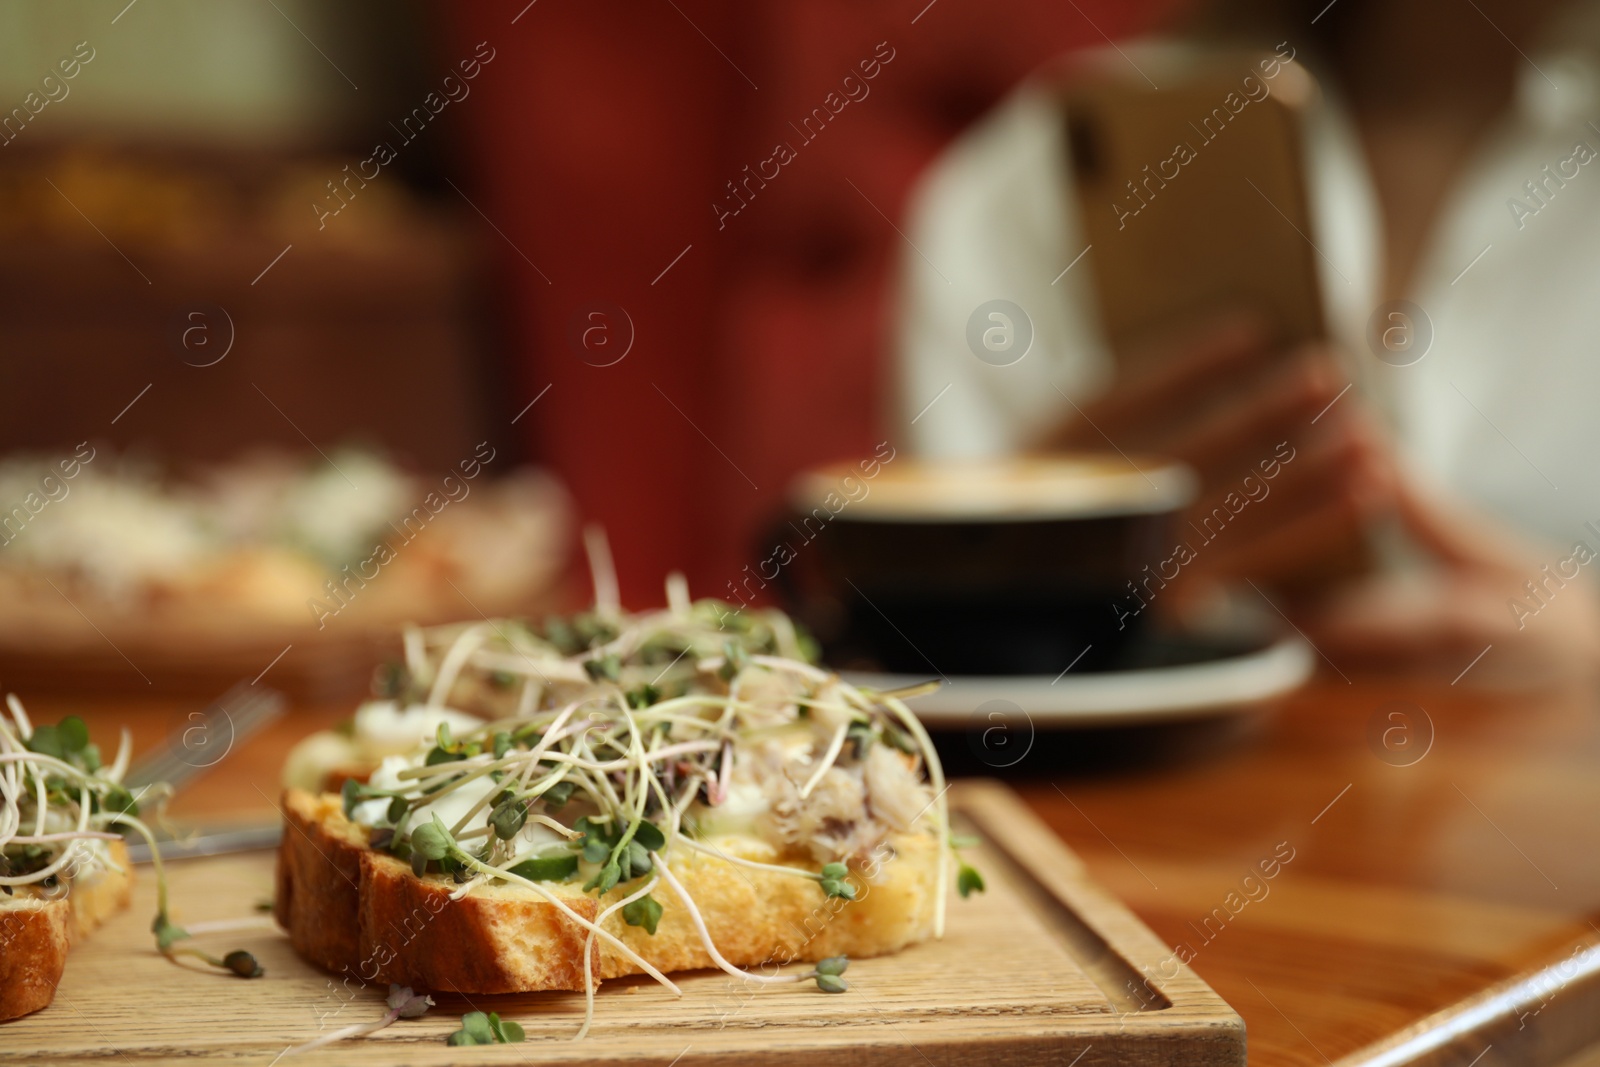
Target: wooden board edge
column 1152, row 982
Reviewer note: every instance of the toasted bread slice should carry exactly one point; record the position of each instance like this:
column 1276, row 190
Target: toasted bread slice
column 355, row 910
column 36, row 933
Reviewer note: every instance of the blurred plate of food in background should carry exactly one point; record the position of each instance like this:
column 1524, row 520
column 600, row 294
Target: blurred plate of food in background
column 126, row 574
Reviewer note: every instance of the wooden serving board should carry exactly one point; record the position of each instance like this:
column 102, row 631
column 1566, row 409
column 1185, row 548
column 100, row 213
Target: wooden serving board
column 1043, row 968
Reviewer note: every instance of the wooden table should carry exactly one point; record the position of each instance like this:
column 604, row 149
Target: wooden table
column 1419, row 874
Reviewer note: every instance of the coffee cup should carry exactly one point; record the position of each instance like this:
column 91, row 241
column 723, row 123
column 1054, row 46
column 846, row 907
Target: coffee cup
column 1019, row 566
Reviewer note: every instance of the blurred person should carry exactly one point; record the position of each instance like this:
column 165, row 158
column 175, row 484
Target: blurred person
column 1445, row 131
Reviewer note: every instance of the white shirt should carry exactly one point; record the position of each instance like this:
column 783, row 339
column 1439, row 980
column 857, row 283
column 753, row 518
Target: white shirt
column 1504, row 410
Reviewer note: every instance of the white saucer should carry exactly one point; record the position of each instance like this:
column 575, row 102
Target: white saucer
column 1227, row 684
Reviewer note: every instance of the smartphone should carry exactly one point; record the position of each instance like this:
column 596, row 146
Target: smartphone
column 1193, row 201
column 1192, row 197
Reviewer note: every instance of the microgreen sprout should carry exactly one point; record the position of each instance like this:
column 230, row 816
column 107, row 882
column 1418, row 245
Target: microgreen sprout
column 833, row 881
column 478, row 1028
column 734, row 659
column 547, row 868
column 606, row 668
column 354, row 792
column 645, row 912
column 402, row 1004
column 430, row 842
column 509, row 817
column 828, row 974
column 968, row 880
column 168, row 934
column 643, row 696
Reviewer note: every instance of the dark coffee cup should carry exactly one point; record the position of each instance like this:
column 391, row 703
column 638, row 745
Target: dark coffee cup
column 1019, row 566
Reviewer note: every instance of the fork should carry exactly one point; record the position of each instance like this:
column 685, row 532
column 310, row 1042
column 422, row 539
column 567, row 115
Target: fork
column 238, row 714
column 242, row 711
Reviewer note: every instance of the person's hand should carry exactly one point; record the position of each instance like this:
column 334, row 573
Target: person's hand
column 1446, row 614
column 1294, row 476
column 1291, row 471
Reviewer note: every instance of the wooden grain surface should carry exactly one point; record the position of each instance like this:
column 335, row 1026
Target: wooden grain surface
column 1412, row 888
column 1041, row 966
